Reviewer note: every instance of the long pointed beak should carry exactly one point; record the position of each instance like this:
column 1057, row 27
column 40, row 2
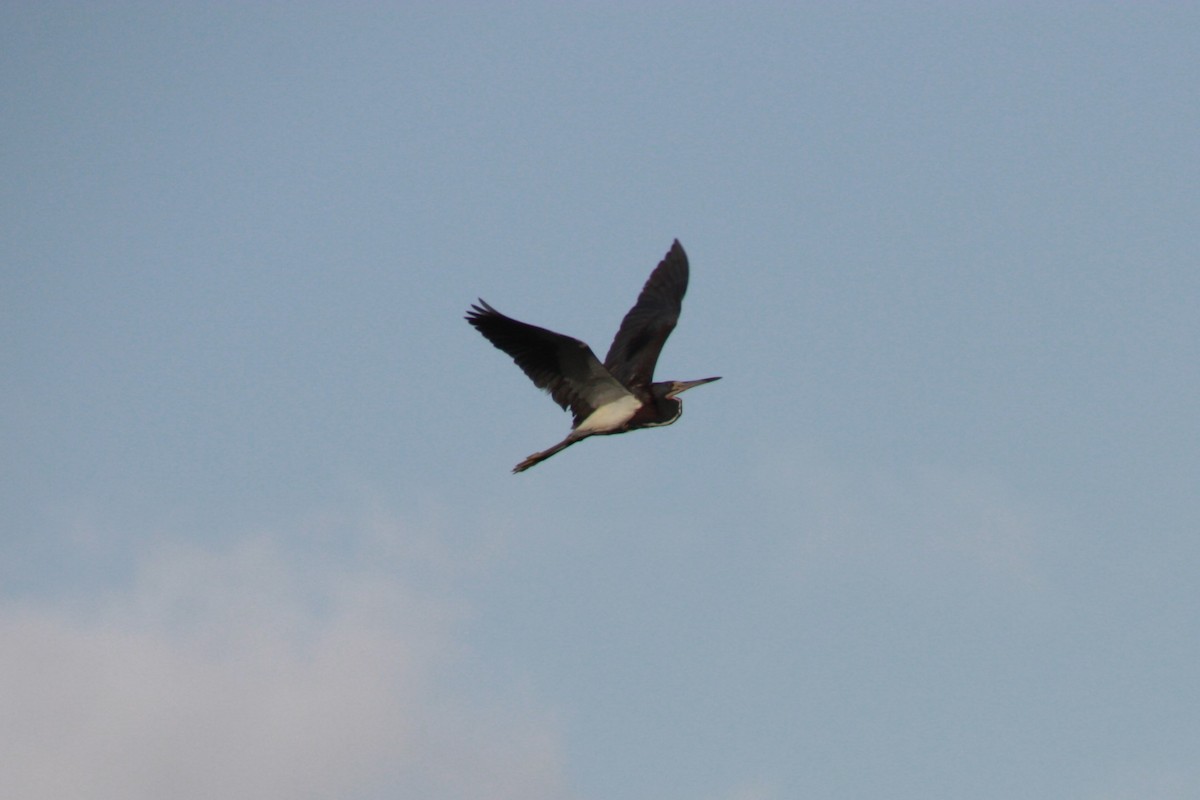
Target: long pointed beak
column 682, row 386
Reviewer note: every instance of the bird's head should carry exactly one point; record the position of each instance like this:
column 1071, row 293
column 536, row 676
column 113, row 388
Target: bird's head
column 679, row 387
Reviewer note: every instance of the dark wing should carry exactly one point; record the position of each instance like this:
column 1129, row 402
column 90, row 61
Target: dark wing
column 565, row 367
column 645, row 329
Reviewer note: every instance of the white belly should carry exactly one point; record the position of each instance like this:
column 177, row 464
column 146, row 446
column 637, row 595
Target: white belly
column 610, row 416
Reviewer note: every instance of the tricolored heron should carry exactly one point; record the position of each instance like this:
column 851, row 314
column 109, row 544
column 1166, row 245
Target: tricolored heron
column 618, row 395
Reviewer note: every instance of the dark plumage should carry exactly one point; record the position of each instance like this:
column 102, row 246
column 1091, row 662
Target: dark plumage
column 618, row 395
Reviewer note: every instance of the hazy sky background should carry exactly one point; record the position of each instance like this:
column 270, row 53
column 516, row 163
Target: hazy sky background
column 935, row 535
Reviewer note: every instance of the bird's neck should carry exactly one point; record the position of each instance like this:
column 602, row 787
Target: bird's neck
column 668, row 409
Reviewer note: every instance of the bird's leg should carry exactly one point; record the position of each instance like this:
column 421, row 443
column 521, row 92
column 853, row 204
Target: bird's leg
column 571, row 439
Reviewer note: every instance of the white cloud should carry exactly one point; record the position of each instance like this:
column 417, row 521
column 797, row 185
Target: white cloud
column 243, row 674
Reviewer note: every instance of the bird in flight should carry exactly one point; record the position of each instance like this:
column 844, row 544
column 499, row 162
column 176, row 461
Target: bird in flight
column 614, row 397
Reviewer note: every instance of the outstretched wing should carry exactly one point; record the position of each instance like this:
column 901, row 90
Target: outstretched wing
column 645, row 329
column 565, row 367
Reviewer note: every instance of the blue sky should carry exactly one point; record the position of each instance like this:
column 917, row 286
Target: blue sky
column 933, row 535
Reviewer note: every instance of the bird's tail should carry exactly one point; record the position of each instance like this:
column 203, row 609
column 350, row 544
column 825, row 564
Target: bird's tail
column 544, row 454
